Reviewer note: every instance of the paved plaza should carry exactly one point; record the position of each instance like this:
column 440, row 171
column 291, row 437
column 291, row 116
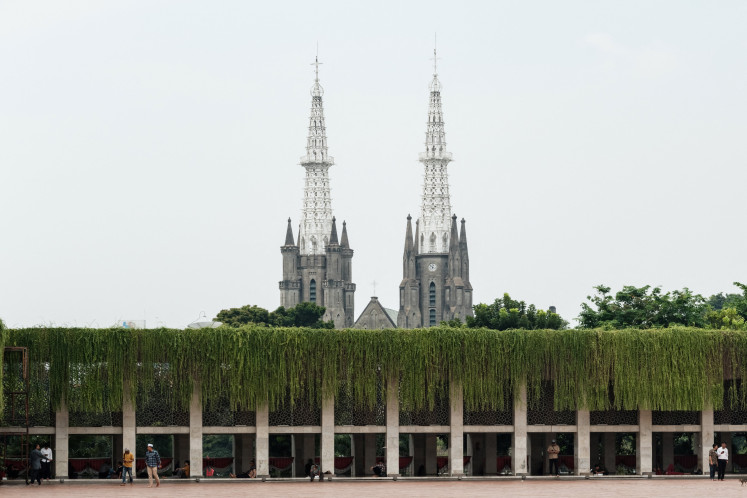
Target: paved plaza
column 599, row 487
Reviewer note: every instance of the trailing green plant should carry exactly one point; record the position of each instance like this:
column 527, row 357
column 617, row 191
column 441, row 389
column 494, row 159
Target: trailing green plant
column 97, row 370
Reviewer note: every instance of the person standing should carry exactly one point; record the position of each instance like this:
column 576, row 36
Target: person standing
column 36, row 458
column 552, row 455
column 713, row 461
column 152, row 463
column 46, row 462
column 127, row 459
column 723, row 459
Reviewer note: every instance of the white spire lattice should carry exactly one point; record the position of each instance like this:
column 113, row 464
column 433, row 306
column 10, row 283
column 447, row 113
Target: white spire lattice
column 435, row 215
column 316, row 218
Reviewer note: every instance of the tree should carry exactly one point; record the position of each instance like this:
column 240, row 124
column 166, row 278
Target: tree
column 506, row 313
column 637, row 307
column 236, row 317
column 301, row 315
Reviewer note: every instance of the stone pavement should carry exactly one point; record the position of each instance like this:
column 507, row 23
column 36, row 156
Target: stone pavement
column 597, row 487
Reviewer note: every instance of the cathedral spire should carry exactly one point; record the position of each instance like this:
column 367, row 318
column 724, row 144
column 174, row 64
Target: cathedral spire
column 436, row 202
column 316, row 219
column 408, row 236
column 344, row 239
column 289, row 234
column 333, row 235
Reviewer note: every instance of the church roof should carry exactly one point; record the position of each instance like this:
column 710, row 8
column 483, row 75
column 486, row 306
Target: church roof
column 375, row 305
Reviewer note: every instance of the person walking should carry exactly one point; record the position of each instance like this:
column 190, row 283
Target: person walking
column 552, row 455
column 36, row 458
column 46, row 462
column 713, row 461
column 723, row 459
column 152, row 463
column 127, row 459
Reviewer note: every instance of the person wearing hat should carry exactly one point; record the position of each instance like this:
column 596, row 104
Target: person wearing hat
column 152, row 463
column 552, row 454
column 127, row 459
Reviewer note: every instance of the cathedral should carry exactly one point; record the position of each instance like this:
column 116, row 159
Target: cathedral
column 317, row 266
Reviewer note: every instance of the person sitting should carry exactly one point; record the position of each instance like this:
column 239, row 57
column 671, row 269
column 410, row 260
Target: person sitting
column 315, row 472
column 379, row 469
column 183, row 472
column 307, row 467
column 249, row 474
column 116, row 473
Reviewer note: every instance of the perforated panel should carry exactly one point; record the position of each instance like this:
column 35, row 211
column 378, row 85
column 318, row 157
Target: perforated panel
column 661, row 417
column 303, row 412
column 541, row 411
column 348, row 413
column 154, row 408
column 221, row 415
column 491, row 417
column 614, row 417
column 438, row 416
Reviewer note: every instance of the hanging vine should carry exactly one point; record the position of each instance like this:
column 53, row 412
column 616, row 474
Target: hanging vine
column 661, row 369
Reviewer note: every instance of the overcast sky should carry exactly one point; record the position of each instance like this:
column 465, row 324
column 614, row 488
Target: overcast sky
column 149, row 150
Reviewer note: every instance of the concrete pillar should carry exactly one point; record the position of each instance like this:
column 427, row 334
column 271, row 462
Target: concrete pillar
column 195, row 432
column 520, row 443
column 327, row 458
column 61, row 441
column 369, row 441
column 456, row 434
column 610, row 452
column 582, row 443
column 392, row 428
column 129, row 424
column 431, row 452
column 706, row 437
column 644, row 454
column 491, row 454
column 263, row 440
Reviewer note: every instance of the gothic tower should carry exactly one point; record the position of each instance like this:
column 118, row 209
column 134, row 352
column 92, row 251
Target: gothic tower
column 317, row 267
column 435, row 285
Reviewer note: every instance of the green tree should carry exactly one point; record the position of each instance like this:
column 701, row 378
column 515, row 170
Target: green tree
column 301, row 315
column 506, row 313
column 642, row 307
column 235, row 317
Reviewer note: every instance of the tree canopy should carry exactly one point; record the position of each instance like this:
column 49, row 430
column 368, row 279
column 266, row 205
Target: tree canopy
column 301, row 315
column 649, row 307
column 506, row 313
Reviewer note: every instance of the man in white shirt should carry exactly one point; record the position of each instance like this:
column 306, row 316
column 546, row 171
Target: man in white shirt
column 46, row 461
column 723, row 458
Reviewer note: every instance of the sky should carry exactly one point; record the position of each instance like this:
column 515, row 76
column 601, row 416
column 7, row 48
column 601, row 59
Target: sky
column 149, row 149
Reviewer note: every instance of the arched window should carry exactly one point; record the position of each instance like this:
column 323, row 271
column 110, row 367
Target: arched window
column 312, row 291
column 432, row 320
column 432, row 294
